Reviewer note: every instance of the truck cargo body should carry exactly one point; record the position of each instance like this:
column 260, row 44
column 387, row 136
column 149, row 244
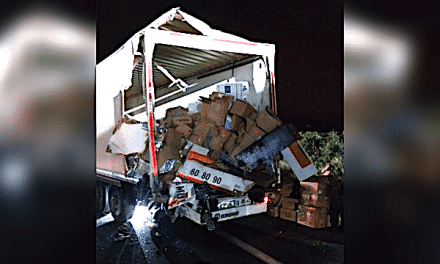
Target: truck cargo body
column 158, row 69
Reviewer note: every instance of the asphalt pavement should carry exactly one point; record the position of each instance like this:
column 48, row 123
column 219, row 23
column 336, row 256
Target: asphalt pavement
column 251, row 239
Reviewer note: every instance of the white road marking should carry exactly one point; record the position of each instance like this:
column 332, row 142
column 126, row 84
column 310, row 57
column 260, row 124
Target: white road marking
column 257, row 253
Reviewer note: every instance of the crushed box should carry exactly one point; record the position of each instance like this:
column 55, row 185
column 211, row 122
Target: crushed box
column 267, row 120
column 317, row 188
column 184, row 130
column 289, row 203
column 242, row 108
column 314, row 217
column 288, row 214
column 316, row 200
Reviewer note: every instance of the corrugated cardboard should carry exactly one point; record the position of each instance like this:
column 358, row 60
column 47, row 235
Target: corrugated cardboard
column 246, row 140
column 230, row 143
column 288, row 214
column 173, row 112
column 236, row 150
column 218, row 140
column 235, row 122
column 249, row 123
column 128, row 139
column 317, row 188
column 215, row 109
column 255, row 131
column 314, row 200
column 253, row 116
column 184, row 130
column 267, row 120
column 200, row 132
column 242, row 108
column 170, row 148
column 314, row 217
column 182, row 120
column 289, row 203
column 273, row 211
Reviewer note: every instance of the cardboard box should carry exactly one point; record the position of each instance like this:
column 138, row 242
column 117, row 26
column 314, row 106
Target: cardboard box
column 230, row 143
column 314, row 217
column 182, row 120
column 215, row 109
column 249, row 122
column 218, row 140
column 246, row 140
column 242, row 108
column 317, row 188
column 235, row 122
column 184, row 130
column 273, row 211
column 200, row 132
column 236, row 150
column 288, row 214
column 289, row 203
column 314, row 200
column 170, row 148
column 267, row 120
column 174, row 112
column 255, row 131
column 253, row 116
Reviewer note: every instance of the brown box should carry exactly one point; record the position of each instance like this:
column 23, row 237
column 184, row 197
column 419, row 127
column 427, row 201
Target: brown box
column 249, row 123
column 253, row 116
column 288, row 214
column 235, row 122
column 273, row 211
column 314, row 188
column 267, row 120
column 236, row 150
column 242, row 108
column 314, row 217
column 170, row 148
column 230, row 143
column 200, row 132
column 289, row 203
column 218, row 140
column 246, row 140
column 182, row 120
column 173, row 112
column 314, row 200
column 255, row 131
column 184, row 130
column 215, row 109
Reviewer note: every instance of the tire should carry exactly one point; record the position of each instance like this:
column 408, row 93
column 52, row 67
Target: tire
column 100, row 199
column 121, row 206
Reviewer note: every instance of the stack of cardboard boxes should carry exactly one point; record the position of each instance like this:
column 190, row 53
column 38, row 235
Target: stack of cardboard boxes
column 311, row 209
column 314, row 205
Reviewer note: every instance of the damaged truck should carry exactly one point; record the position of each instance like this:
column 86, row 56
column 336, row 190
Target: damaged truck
column 186, row 118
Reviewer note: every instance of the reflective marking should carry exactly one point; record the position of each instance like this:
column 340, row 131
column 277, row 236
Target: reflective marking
column 257, row 253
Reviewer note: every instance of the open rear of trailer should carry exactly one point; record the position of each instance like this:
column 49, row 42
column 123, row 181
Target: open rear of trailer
column 179, row 62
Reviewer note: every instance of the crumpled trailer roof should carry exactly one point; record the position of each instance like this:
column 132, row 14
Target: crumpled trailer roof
column 187, row 48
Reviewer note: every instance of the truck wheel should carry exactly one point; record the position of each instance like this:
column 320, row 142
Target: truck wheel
column 100, row 199
column 121, row 207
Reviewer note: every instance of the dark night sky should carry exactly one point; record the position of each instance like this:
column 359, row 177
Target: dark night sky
column 308, row 37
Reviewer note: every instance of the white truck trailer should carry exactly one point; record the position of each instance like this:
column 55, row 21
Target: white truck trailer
column 172, row 62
